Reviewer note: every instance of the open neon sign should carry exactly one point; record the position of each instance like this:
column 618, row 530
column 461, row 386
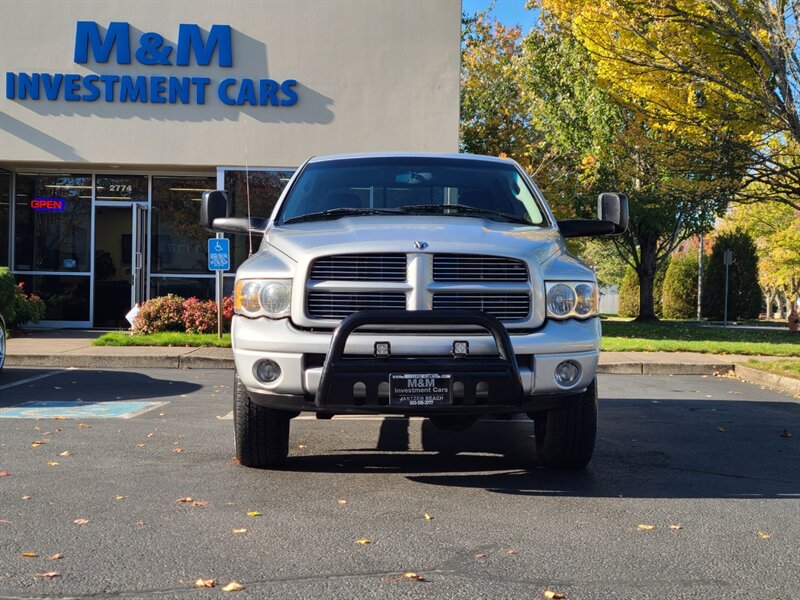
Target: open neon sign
column 48, row 204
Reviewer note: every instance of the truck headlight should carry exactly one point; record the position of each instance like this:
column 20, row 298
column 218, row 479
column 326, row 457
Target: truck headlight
column 567, row 299
column 263, row 297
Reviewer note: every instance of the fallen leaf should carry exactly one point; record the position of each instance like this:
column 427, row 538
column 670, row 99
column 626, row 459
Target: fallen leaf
column 4, row 473
column 413, row 576
column 48, row 575
column 722, row 429
column 184, row 499
column 254, row 513
column 786, row 433
column 342, row 502
column 675, row 527
column 56, row 556
column 66, row 453
column 763, row 536
column 29, row 554
column 81, row 521
column 363, row 541
column 84, row 426
column 121, row 497
column 150, row 435
column 177, row 450
column 301, row 446
column 140, row 445
column 199, row 503
column 27, row 497
column 427, row 517
column 205, row 583
column 52, row 463
column 36, row 444
column 511, row 552
column 481, row 555
column 554, row 595
column 233, row 586
column 5, row 522
column 140, row 523
column 646, row 527
column 241, row 530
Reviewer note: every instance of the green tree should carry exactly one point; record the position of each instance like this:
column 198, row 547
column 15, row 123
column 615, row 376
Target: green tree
column 744, row 296
column 679, row 293
column 630, row 296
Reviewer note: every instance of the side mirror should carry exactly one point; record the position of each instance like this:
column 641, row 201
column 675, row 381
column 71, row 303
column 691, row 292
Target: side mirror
column 214, row 204
column 613, row 207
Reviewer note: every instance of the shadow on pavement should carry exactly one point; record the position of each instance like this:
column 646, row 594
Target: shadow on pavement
column 645, row 449
column 90, row 386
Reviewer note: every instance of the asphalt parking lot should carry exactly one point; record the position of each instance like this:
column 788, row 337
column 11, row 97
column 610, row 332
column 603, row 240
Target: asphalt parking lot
column 706, row 461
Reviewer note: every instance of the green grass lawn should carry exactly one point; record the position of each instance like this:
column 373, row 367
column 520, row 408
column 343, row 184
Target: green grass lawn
column 787, row 368
column 618, row 336
column 688, row 336
column 171, row 338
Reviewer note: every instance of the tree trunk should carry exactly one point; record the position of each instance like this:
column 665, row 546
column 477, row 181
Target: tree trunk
column 647, row 275
column 768, row 300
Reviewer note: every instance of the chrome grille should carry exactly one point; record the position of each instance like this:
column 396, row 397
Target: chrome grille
column 338, row 305
column 503, row 306
column 470, row 267
column 360, row 267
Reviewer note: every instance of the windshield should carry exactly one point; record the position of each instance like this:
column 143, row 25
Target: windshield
column 403, row 186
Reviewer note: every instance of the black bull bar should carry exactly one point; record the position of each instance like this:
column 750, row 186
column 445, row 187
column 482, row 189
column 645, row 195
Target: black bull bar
column 478, row 381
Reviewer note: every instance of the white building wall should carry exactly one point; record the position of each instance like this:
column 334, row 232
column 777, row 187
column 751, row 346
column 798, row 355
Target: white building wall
column 371, row 75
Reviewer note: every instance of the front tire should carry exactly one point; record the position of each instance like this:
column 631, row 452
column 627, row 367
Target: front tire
column 3, row 336
column 565, row 436
column 261, row 434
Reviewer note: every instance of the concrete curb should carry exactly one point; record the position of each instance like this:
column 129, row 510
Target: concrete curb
column 637, row 368
column 790, row 385
column 94, row 362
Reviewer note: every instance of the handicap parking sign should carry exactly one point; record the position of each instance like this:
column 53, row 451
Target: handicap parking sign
column 219, row 254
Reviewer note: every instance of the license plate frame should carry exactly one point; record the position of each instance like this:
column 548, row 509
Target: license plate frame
column 420, row 390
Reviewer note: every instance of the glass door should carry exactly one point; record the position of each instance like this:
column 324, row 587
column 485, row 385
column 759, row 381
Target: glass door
column 139, row 255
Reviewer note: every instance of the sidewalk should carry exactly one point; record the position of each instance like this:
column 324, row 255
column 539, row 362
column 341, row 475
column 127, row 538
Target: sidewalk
column 70, row 348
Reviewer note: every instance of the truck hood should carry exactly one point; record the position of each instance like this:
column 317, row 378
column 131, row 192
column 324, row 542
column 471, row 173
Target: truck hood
column 447, row 234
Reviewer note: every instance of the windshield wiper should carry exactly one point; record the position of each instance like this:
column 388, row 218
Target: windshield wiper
column 455, row 209
column 335, row 213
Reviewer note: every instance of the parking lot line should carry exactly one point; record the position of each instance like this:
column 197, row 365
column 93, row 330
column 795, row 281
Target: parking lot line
column 35, row 378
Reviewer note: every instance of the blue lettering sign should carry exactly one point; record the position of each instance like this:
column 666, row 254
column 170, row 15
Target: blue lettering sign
column 219, row 254
column 94, row 43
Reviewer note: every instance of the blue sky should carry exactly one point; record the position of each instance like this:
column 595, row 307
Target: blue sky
column 508, row 12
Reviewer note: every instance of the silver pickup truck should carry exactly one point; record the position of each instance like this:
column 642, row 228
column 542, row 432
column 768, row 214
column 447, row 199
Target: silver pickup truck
column 415, row 284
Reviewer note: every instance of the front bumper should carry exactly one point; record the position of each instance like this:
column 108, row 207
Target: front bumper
column 298, row 353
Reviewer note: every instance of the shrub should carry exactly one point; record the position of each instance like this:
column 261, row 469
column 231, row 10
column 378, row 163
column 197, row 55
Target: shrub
column 679, row 294
column 16, row 305
column 164, row 313
column 629, row 293
column 200, row 316
column 744, row 295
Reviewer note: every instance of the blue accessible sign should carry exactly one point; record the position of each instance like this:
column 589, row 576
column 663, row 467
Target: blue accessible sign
column 219, row 254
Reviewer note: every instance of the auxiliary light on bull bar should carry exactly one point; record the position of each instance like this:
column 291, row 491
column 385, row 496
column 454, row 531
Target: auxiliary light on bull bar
column 383, row 349
column 460, row 348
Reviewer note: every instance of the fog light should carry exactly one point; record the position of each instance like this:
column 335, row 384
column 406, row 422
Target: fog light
column 460, row 348
column 567, row 373
column 383, row 349
column 267, row 371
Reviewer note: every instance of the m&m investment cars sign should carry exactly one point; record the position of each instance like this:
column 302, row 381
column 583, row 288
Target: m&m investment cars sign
column 152, row 51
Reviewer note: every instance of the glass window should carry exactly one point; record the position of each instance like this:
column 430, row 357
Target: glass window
column 186, row 287
column 66, row 297
column 128, row 188
column 5, row 203
column 398, row 185
column 265, row 189
column 53, row 221
column 178, row 241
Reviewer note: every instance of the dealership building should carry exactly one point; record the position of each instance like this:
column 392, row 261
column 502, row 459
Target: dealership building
column 116, row 116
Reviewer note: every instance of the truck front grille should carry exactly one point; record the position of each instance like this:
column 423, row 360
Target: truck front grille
column 338, row 305
column 360, row 267
column 503, row 306
column 473, row 267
